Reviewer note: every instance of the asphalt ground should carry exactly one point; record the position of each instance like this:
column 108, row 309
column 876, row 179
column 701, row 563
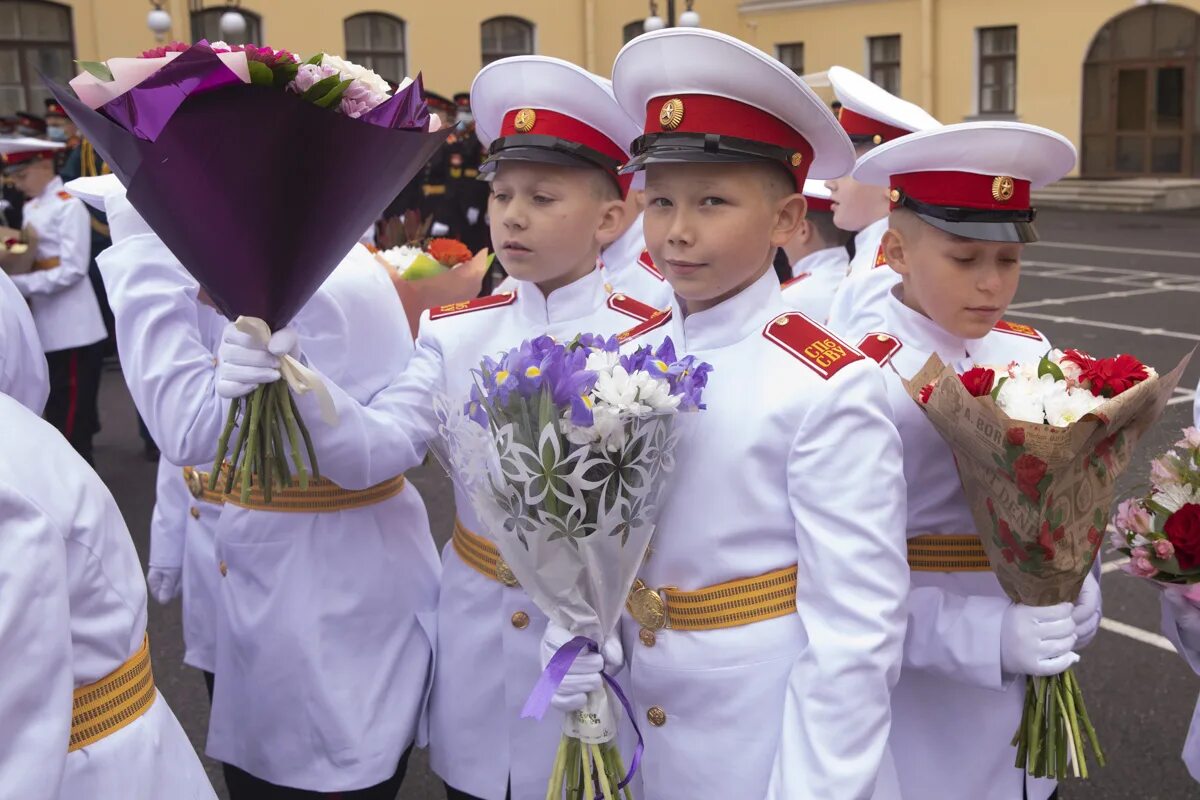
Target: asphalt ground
column 1102, row 282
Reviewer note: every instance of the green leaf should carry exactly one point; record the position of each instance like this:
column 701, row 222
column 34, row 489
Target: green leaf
column 316, row 60
column 1048, row 367
column 335, row 94
column 996, row 391
column 320, row 88
column 97, row 68
column 285, row 73
column 260, row 74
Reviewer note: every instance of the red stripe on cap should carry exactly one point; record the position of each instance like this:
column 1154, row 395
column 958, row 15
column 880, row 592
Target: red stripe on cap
column 561, row 126
column 31, row 155
column 856, row 124
column 704, row 113
column 819, row 203
column 964, row 190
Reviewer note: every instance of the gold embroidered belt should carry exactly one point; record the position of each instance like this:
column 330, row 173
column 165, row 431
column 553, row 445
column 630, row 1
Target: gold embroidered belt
column 111, row 703
column 46, row 263
column 932, row 552
column 321, row 496
column 197, row 483
column 481, row 555
column 725, row 605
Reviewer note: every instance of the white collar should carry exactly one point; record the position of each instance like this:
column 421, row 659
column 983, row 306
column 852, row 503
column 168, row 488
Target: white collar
column 53, row 187
column 872, row 233
column 573, row 301
column 622, row 254
column 829, row 258
column 732, row 320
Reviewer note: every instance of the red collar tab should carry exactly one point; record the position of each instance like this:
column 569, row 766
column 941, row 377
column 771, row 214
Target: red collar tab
column 708, row 114
column 962, row 190
column 544, row 122
column 862, row 128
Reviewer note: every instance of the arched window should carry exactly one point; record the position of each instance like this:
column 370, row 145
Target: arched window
column 206, row 24
column 501, row 37
column 33, row 35
column 1139, row 111
column 376, row 41
column 633, row 30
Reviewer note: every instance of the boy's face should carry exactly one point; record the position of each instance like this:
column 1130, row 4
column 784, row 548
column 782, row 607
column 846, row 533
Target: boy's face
column 856, row 205
column 33, row 178
column 713, row 228
column 548, row 222
column 964, row 285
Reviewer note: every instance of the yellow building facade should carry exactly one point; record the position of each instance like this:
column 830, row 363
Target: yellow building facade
column 1120, row 78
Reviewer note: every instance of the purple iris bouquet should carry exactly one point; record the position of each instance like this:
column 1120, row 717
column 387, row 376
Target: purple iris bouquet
column 563, row 451
column 235, row 156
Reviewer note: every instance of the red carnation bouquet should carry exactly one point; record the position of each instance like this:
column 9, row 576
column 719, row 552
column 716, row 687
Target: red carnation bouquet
column 1039, row 448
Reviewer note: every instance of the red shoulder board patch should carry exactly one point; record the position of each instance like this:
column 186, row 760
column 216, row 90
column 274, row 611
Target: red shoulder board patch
column 653, row 322
column 64, row 195
column 795, row 280
column 880, row 258
column 810, row 343
column 478, row 304
column 647, row 263
column 1017, row 329
column 630, row 307
column 880, row 347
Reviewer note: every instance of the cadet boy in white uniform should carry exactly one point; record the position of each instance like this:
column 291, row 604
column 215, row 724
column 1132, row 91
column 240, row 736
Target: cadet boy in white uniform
column 556, row 139
column 960, row 218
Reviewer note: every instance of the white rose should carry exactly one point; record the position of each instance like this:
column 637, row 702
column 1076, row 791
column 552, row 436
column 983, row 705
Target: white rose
column 351, row 71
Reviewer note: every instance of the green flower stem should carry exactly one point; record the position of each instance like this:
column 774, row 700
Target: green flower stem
column 223, row 443
column 575, row 769
column 554, row 790
column 1052, row 728
column 251, row 442
column 293, row 432
column 1083, row 716
column 239, row 447
column 601, row 772
column 263, row 464
column 1079, row 763
column 586, row 756
column 1020, row 739
column 1035, row 726
column 308, row 445
column 277, row 449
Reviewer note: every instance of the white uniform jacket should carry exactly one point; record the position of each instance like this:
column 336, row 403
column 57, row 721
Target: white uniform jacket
column 324, row 644
column 952, row 682
column 73, row 611
column 815, row 280
column 64, row 304
column 794, row 462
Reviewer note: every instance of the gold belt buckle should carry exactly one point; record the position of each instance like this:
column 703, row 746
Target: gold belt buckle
column 648, row 607
column 504, row 574
column 195, row 482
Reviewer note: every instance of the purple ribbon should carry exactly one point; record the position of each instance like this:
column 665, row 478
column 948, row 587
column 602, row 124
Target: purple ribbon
column 552, row 677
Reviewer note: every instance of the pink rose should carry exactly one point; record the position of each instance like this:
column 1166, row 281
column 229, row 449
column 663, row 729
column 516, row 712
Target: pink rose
column 1164, row 549
column 309, row 75
column 358, row 99
column 1139, row 552
column 1142, row 568
column 1191, row 438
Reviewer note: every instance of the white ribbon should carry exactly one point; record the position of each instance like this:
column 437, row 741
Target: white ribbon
column 300, row 379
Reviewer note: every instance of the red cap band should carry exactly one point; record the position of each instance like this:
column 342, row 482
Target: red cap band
column 543, row 122
column 819, row 203
column 964, row 190
column 855, row 124
column 12, row 159
column 702, row 113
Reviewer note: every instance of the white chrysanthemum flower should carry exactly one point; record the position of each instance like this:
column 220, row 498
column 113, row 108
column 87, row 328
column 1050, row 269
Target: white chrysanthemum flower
column 351, row 71
column 615, row 388
column 602, row 361
column 401, row 257
column 1022, row 398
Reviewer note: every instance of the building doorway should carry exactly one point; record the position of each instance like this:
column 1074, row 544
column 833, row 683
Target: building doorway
column 1141, row 115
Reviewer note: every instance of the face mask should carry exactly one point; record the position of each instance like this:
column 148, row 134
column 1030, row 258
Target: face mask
column 56, row 134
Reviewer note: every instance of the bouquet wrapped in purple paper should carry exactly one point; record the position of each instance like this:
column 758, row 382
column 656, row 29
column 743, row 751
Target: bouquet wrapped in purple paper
column 563, row 450
column 259, row 171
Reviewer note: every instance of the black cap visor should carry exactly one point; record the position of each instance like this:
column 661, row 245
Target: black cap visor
column 685, row 148
column 546, row 150
column 987, row 225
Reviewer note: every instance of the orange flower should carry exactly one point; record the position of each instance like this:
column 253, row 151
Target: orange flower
column 449, row 252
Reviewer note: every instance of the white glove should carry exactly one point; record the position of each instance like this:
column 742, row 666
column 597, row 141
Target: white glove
column 1187, row 619
column 1037, row 640
column 584, row 675
column 243, row 364
column 163, row 583
column 1086, row 613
